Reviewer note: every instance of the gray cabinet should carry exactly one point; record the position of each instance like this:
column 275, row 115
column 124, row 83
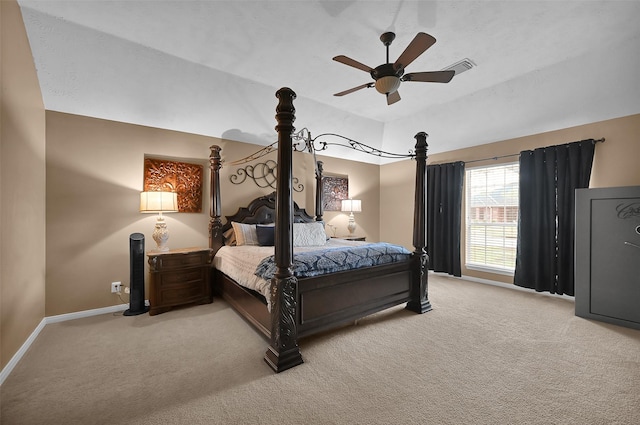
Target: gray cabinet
column 607, row 276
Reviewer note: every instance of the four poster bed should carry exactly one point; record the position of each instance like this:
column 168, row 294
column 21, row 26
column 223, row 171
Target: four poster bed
column 295, row 305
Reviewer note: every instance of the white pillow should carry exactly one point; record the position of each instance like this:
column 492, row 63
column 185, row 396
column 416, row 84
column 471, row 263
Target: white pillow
column 309, row 234
column 245, row 233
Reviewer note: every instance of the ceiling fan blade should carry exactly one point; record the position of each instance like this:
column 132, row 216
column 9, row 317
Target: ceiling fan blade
column 351, row 62
column 421, row 42
column 393, row 97
column 430, row 77
column 342, row 93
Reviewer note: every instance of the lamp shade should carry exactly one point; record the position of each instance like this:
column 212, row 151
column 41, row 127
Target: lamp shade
column 388, row 84
column 155, row 202
column 351, row 205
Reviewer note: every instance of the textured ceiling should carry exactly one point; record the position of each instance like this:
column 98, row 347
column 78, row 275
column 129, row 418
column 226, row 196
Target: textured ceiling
column 213, row 67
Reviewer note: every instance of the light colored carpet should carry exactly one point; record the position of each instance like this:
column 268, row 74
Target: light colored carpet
column 484, row 355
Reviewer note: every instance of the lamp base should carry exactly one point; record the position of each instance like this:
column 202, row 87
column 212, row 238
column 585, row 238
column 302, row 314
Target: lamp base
column 161, row 235
column 352, row 224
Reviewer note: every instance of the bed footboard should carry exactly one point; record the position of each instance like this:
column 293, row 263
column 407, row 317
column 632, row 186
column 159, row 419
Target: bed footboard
column 340, row 298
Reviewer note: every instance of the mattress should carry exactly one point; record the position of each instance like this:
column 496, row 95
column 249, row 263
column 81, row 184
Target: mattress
column 240, row 262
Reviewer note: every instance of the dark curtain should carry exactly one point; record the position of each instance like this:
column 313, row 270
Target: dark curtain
column 546, row 225
column 444, row 210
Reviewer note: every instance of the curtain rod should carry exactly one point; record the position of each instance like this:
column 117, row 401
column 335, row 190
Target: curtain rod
column 517, row 154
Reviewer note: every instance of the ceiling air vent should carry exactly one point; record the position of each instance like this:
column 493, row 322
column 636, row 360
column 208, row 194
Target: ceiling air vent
column 461, row 66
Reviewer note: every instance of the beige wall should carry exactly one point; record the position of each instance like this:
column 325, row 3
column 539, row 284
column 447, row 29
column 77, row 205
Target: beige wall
column 615, row 164
column 364, row 183
column 22, row 187
column 94, row 176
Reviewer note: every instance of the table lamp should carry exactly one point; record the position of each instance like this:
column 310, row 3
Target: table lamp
column 159, row 202
column 351, row 206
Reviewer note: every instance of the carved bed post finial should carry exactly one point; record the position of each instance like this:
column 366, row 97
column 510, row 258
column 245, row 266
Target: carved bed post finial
column 419, row 301
column 319, row 210
column 283, row 352
column 215, row 207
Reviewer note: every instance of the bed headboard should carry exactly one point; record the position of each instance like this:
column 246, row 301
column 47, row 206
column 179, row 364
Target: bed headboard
column 261, row 210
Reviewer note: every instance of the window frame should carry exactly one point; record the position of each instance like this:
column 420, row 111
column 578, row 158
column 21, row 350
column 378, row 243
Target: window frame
column 508, row 226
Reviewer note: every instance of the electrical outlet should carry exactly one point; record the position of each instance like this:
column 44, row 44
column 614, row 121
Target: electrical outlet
column 116, row 287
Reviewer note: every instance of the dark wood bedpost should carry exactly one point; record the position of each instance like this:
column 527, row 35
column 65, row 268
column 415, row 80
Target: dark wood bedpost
column 319, row 209
column 419, row 301
column 283, row 352
column 216, row 240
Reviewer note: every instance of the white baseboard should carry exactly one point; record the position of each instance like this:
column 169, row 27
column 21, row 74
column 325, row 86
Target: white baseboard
column 21, row 352
column 512, row 286
column 86, row 313
column 55, row 319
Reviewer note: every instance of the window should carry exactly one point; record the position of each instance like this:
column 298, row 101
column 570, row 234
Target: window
column 492, row 218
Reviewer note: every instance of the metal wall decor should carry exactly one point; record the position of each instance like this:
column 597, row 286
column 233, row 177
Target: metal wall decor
column 263, row 175
column 181, row 177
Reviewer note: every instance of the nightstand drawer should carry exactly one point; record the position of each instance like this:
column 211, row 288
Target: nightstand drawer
column 179, row 277
column 182, row 295
column 181, row 260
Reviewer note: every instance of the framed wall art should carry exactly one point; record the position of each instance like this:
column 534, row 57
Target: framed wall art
column 334, row 190
column 182, row 177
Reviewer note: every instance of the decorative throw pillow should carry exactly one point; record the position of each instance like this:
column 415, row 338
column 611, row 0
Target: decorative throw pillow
column 229, row 237
column 245, row 233
column 266, row 234
column 309, row 234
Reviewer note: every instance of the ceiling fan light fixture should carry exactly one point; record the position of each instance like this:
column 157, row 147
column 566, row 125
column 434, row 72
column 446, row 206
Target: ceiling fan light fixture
column 388, row 84
column 389, row 75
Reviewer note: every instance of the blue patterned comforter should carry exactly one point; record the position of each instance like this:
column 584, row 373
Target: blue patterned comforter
column 315, row 263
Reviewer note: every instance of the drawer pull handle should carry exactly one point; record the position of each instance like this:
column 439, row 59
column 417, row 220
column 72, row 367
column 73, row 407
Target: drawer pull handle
column 632, row 244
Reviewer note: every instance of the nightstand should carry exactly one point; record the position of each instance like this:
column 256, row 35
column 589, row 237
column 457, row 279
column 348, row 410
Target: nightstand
column 178, row 277
column 351, row 238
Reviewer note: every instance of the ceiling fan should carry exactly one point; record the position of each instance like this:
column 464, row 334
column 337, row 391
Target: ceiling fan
column 389, row 75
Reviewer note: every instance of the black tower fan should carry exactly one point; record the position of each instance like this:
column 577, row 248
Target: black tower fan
column 136, row 261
